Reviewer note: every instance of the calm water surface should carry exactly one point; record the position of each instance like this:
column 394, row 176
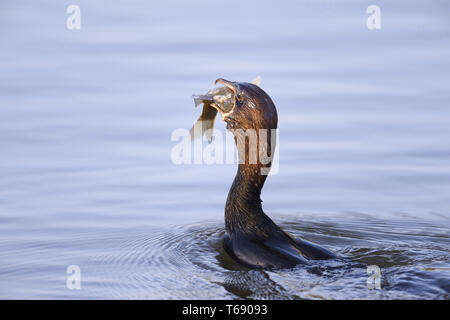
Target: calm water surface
column 86, row 119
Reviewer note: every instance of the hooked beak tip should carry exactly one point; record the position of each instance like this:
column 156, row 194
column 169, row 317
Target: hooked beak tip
column 220, row 80
column 226, row 83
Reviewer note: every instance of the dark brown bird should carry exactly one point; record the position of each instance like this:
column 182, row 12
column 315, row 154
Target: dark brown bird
column 252, row 238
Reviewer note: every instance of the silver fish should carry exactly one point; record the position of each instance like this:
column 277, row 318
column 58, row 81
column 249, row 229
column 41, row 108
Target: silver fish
column 220, row 97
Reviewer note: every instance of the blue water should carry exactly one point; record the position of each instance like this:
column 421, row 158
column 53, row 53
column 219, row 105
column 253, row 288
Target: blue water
column 86, row 118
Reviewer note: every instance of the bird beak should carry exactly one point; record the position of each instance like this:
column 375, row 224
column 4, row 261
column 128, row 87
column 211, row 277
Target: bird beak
column 229, row 84
column 234, row 87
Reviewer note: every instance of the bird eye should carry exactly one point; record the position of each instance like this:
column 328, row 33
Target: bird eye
column 239, row 97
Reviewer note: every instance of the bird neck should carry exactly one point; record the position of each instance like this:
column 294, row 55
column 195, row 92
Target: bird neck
column 243, row 210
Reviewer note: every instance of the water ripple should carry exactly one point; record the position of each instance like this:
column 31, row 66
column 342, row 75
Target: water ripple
column 188, row 262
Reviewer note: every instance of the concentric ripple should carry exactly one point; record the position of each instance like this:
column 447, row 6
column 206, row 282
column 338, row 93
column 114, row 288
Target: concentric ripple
column 185, row 262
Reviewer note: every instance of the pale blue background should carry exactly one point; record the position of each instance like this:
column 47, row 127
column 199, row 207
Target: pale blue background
column 86, row 118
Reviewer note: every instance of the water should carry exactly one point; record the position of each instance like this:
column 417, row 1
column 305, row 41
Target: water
column 85, row 127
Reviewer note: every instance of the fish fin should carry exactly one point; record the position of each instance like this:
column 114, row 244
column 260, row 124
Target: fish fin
column 257, row 81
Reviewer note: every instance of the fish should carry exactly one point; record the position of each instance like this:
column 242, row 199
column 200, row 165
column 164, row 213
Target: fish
column 216, row 98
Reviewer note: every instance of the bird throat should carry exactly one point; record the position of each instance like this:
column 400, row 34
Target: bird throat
column 243, row 210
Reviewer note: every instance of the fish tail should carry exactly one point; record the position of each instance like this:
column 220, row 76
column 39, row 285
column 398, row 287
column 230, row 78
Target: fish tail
column 202, row 127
